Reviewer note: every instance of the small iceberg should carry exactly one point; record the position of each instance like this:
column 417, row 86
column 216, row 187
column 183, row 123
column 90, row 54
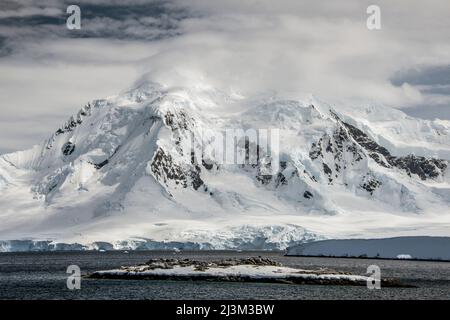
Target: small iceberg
column 404, row 256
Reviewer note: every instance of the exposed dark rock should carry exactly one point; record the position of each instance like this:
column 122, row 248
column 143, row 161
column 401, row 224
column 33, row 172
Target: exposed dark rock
column 68, row 148
column 327, row 169
column 75, row 121
column 425, row 168
column 363, row 140
column 101, row 164
column 280, row 179
column 165, row 169
column 346, row 135
column 204, row 265
column 178, row 120
column 336, row 144
column 370, row 184
column 207, row 164
column 197, row 182
column 264, row 174
column 264, row 179
column 308, row 195
column 316, row 150
column 313, row 178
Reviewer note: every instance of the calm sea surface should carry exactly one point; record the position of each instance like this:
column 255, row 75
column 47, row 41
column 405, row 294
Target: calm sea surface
column 43, row 276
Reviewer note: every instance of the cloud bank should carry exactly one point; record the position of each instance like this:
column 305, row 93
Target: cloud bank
column 47, row 72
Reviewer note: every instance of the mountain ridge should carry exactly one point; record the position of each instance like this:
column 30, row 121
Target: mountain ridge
column 116, row 171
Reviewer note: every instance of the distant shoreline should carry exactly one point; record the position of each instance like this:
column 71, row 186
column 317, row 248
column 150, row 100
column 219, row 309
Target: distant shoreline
column 364, row 258
column 414, row 248
column 219, row 251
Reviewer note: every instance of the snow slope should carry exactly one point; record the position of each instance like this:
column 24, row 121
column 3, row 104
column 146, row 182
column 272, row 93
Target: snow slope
column 116, row 173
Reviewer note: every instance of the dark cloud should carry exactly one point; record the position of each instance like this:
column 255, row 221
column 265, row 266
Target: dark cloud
column 125, row 10
column 433, row 82
column 438, row 90
column 425, row 75
column 153, row 20
column 32, row 21
column 4, row 47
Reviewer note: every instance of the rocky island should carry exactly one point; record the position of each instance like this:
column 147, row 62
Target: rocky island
column 235, row 270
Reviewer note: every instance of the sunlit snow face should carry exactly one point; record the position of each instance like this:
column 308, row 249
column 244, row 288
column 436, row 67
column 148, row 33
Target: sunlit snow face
column 237, row 46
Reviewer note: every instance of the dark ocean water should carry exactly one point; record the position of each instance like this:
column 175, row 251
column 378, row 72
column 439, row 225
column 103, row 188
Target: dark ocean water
column 43, row 276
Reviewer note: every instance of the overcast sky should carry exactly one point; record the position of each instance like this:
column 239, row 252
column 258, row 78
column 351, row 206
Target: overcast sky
column 48, row 72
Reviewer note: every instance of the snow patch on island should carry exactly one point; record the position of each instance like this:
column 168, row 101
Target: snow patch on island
column 241, row 270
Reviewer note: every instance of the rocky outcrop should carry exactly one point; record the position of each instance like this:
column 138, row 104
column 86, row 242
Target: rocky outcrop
column 337, row 153
column 68, row 148
column 204, row 265
column 348, row 147
column 167, row 171
column 425, row 168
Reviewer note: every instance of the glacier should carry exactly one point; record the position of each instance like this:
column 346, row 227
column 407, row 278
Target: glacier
column 114, row 175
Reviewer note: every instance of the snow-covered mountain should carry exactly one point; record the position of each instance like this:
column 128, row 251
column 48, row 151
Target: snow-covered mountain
column 116, row 175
